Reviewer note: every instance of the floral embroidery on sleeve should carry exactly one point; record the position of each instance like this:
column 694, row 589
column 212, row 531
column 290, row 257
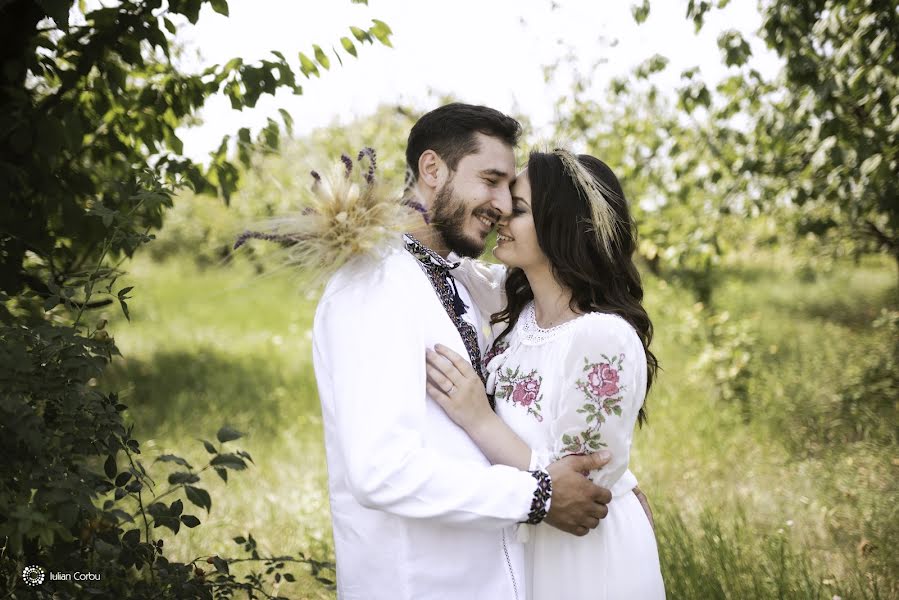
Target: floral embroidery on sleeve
column 602, row 393
column 522, row 389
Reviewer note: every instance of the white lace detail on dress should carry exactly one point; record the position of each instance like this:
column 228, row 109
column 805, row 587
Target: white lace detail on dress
column 532, row 334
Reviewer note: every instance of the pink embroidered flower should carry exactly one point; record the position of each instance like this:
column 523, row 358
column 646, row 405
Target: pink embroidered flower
column 603, row 380
column 526, row 392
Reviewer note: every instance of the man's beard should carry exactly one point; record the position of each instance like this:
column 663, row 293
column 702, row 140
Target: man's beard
column 449, row 219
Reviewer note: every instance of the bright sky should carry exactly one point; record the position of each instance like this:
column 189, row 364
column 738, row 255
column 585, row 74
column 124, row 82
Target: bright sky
column 482, row 51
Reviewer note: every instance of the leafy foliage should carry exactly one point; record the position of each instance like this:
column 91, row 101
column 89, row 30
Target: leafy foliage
column 90, row 109
column 677, row 174
column 89, row 161
column 819, row 142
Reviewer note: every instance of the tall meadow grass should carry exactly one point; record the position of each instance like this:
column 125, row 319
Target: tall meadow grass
column 782, row 494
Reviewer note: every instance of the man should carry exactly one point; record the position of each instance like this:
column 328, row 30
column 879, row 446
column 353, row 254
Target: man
column 418, row 511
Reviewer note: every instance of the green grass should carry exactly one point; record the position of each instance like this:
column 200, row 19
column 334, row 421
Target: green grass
column 783, row 497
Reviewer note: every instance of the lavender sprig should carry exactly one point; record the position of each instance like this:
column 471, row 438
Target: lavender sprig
column 259, row 235
column 372, row 163
column 418, row 207
column 348, row 162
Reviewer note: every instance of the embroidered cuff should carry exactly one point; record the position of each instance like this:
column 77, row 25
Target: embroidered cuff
column 542, row 496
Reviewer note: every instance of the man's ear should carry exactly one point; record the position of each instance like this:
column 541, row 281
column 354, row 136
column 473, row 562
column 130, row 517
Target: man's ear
column 432, row 171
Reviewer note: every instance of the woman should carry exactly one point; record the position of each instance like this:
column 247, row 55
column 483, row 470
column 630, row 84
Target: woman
column 569, row 373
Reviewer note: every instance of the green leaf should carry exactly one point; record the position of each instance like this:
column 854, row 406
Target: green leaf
column 382, row 32
column 652, row 65
column 175, row 459
column 210, row 448
column 176, row 508
column 220, row 6
column 307, row 67
column 180, row 477
column 696, row 10
column 125, row 310
column 348, row 45
column 190, row 520
column 131, row 537
column 360, row 34
column 320, row 57
column 640, row 12
column 172, row 523
column 158, row 509
column 122, row 478
column 228, row 434
column 199, row 497
column 169, row 26
column 109, row 467
column 735, row 49
column 228, row 461
column 288, row 120
column 220, row 565
column 223, row 473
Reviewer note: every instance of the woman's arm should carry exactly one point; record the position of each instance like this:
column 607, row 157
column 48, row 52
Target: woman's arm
column 454, row 385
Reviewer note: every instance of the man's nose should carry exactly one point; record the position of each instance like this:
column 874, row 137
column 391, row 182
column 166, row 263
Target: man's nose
column 502, row 201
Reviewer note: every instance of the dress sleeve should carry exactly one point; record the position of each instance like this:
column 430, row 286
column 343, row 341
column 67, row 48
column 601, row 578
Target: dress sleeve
column 603, row 386
column 369, row 351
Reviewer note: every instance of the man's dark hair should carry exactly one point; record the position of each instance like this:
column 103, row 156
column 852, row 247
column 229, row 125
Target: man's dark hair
column 450, row 132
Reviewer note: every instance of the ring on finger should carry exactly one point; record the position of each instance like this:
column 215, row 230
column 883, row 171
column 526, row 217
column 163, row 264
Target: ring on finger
column 450, row 391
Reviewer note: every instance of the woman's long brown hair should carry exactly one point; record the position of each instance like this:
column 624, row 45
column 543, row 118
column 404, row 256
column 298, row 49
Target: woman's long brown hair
column 599, row 282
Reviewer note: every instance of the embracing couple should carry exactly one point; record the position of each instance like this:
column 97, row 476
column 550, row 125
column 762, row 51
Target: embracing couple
column 478, row 418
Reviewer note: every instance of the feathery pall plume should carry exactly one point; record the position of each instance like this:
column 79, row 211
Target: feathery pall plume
column 346, row 213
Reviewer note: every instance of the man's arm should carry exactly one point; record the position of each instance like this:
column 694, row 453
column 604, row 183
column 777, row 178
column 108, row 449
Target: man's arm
column 371, row 346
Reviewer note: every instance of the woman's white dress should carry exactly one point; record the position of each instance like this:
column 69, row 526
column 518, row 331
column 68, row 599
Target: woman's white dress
column 577, row 388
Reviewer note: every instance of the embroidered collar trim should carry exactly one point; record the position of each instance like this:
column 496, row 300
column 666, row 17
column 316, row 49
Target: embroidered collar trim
column 426, row 255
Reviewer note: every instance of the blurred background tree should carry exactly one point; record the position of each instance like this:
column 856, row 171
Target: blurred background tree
column 89, row 161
